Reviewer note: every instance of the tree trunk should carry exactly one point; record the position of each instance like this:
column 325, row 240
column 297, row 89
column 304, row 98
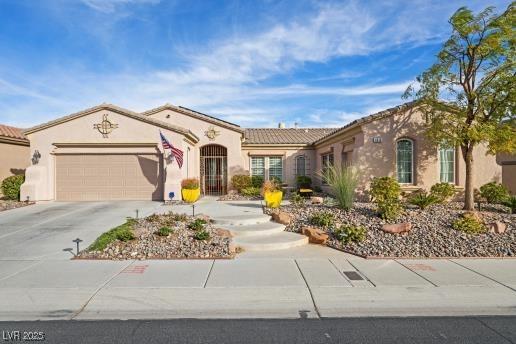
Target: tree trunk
column 469, row 196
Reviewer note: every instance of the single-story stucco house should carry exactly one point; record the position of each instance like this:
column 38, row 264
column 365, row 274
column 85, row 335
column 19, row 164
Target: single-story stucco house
column 14, row 152
column 110, row 153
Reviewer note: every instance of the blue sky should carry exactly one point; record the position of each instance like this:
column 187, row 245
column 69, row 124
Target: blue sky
column 254, row 63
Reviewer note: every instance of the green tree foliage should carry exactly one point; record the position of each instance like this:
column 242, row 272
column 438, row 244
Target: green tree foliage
column 11, row 186
column 468, row 95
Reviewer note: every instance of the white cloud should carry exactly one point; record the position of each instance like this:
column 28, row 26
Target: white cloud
column 109, row 6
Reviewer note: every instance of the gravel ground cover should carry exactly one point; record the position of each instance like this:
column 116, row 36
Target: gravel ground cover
column 180, row 244
column 431, row 234
column 8, row 204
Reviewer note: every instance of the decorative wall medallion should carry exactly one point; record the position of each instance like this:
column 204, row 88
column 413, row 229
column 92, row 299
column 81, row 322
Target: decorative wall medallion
column 105, row 127
column 212, row 133
column 35, row 157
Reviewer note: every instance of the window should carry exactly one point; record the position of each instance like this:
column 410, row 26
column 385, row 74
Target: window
column 300, row 165
column 276, row 167
column 404, row 161
column 273, row 164
column 327, row 162
column 258, row 166
column 447, row 164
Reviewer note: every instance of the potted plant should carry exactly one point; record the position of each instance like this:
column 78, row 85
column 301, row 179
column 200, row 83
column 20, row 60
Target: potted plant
column 190, row 190
column 272, row 194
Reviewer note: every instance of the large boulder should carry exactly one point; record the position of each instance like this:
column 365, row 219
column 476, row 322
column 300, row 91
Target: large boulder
column 282, row 217
column 397, row 228
column 315, row 235
column 497, row 227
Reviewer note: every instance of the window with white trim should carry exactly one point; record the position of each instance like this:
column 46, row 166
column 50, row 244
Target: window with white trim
column 326, row 163
column 447, row 164
column 276, row 168
column 258, row 166
column 300, row 165
column 405, row 161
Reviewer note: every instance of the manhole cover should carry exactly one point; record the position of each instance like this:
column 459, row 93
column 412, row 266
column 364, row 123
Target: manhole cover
column 353, row 275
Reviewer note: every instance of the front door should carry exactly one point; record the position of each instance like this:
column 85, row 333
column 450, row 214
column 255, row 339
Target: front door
column 213, row 170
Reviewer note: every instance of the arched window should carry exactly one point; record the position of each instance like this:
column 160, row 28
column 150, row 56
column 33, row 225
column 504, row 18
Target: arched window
column 300, row 165
column 447, row 164
column 405, row 161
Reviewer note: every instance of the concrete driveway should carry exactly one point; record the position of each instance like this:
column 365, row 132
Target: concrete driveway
column 42, row 231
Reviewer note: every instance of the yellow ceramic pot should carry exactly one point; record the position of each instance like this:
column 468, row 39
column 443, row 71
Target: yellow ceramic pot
column 273, row 199
column 190, row 195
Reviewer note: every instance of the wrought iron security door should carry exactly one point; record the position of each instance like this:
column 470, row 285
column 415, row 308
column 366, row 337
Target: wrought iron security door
column 214, row 170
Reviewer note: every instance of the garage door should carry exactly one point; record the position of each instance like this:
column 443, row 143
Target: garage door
column 99, row 177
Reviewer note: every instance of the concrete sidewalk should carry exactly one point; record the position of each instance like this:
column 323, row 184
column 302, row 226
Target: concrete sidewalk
column 336, row 286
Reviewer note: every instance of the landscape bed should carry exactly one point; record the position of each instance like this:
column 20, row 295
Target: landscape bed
column 8, row 204
column 431, row 235
column 166, row 236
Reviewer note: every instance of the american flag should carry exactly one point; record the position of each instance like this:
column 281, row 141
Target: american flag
column 177, row 153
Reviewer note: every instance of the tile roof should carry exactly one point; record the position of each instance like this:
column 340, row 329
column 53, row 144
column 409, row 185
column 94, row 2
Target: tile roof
column 194, row 114
column 116, row 109
column 367, row 119
column 285, row 135
column 12, row 133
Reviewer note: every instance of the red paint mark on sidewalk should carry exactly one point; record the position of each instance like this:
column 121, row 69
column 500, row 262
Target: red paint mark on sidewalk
column 135, row 269
column 420, row 267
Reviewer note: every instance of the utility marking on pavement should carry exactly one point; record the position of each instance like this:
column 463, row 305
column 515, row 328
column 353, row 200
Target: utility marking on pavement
column 134, row 269
column 420, row 267
column 353, row 275
column 415, row 272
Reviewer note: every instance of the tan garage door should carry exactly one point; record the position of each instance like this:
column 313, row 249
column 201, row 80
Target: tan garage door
column 100, row 177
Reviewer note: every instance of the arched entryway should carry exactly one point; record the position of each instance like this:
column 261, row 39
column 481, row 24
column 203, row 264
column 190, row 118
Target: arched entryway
column 214, row 169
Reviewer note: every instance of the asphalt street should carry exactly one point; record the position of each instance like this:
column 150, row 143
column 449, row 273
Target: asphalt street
column 469, row 330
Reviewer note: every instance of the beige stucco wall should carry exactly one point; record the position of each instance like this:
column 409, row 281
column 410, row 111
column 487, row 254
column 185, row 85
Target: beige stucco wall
column 14, row 159
column 289, row 155
column 40, row 183
column 508, row 162
column 228, row 138
column 379, row 159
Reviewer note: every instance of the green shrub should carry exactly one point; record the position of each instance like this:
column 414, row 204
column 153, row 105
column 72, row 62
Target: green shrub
column 11, row 186
column 469, row 225
column 178, row 217
column 197, row 224
column 256, row 181
column 241, row 181
column 164, row 231
column 123, row 232
column 322, row 219
column 350, row 233
column 303, row 182
column 442, row 191
column 276, row 180
column 385, row 192
column 190, row 183
column 423, row 199
column 343, row 182
column 511, row 203
column 202, row 235
column 296, row 199
column 250, row 191
column 494, row 192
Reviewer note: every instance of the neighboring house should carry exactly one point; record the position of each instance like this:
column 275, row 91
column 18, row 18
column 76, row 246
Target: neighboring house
column 110, row 153
column 14, row 152
column 508, row 163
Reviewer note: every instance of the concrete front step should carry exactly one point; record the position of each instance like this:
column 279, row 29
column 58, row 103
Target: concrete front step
column 259, row 229
column 278, row 241
column 242, row 220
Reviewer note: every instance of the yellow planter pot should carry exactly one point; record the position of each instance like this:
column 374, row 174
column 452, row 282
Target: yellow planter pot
column 190, row 195
column 273, row 199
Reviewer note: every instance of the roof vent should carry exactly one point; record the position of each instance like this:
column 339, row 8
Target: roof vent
column 281, row 125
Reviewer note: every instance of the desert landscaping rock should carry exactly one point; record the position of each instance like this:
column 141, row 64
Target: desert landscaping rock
column 181, row 244
column 497, row 227
column 315, row 235
column 282, row 217
column 431, row 234
column 397, row 228
column 316, row 200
